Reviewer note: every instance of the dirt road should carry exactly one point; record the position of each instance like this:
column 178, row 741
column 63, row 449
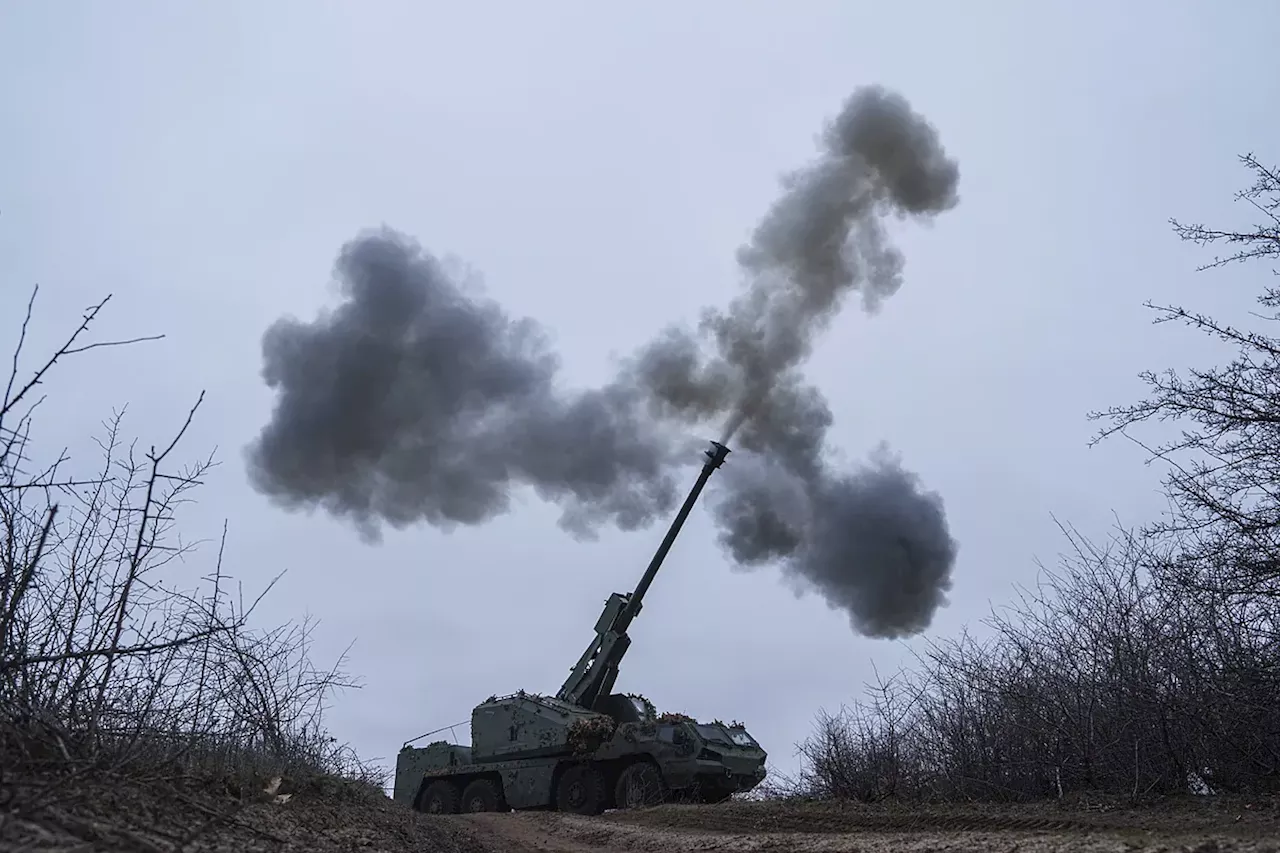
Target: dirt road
column 808, row 828
column 328, row 816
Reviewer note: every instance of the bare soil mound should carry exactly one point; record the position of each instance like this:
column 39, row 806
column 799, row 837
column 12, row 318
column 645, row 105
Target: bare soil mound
column 320, row 815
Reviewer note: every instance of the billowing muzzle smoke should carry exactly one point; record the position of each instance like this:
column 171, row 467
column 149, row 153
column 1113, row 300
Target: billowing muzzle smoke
column 871, row 541
column 416, row 400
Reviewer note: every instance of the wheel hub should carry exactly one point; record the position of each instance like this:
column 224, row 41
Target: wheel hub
column 635, row 795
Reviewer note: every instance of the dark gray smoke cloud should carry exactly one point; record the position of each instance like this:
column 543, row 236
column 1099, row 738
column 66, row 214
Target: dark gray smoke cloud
column 873, row 542
column 418, row 401
column 822, row 241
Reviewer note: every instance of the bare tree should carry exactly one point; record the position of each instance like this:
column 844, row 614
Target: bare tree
column 1148, row 664
column 1224, row 467
column 110, row 664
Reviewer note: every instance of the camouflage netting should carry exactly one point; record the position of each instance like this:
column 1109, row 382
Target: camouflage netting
column 674, row 717
column 649, row 709
column 586, row 735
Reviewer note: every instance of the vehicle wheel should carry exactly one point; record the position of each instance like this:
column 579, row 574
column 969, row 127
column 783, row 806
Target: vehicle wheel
column 581, row 790
column 440, row 797
column 482, row 795
column 639, row 786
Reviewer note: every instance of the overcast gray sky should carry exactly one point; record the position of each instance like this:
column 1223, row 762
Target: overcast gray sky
column 599, row 166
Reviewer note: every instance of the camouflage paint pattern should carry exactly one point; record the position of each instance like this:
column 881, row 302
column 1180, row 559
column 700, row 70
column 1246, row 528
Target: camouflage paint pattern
column 524, row 742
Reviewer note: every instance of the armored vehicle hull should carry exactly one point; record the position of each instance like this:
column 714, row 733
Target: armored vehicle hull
column 587, row 748
column 531, row 752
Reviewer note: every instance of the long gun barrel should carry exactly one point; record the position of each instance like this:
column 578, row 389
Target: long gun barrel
column 715, row 458
column 593, row 677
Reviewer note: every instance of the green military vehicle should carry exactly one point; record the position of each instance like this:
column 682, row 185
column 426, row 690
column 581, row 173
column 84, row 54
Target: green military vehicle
column 586, row 749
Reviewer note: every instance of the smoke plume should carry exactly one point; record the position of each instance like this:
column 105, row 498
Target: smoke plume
column 416, row 400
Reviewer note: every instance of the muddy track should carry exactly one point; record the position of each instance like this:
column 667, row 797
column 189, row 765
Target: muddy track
column 833, row 828
column 1182, row 815
column 901, row 822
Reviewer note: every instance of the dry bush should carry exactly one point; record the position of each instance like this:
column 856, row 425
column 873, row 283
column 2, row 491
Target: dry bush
column 1148, row 665
column 1102, row 679
column 115, row 661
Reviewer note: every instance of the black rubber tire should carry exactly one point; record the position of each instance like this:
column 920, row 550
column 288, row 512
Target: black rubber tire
column 581, row 790
column 440, row 797
column 482, row 795
column 639, row 786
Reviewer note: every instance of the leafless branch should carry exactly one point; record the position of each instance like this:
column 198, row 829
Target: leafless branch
column 1145, row 664
column 112, row 666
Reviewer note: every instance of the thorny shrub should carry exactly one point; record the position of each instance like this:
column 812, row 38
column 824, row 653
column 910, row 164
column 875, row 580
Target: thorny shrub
column 114, row 660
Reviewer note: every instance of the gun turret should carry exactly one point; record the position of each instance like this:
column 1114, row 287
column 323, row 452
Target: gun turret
column 591, row 680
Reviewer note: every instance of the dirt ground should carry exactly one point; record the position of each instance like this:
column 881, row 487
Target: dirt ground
column 217, row 816
column 332, row 817
column 1184, row 825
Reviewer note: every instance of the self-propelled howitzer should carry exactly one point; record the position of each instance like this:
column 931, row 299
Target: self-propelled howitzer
column 587, row 748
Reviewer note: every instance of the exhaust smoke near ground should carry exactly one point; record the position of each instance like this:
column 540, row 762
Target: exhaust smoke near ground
column 416, row 400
